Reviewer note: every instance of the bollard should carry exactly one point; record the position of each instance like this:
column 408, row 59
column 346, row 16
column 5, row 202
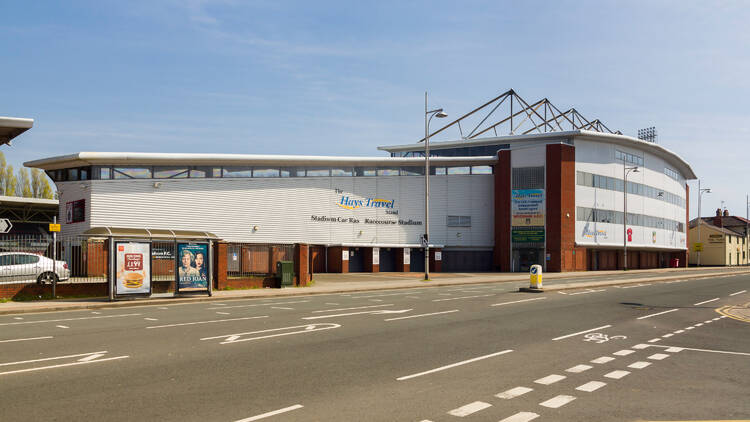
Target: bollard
column 535, row 280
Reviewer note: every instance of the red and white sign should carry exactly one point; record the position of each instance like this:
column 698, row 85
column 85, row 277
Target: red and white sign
column 133, row 262
column 630, row 235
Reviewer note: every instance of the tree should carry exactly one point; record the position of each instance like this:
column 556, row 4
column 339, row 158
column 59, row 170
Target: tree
column 40, row 187
column 24, row 183
column 7, row 178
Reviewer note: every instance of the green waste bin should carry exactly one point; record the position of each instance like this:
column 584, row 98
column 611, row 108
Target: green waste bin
column 285, row 273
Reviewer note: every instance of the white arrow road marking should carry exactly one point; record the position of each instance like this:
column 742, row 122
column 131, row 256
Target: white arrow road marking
column 25, row 339
column 351, row 309
column 206, row 322
column 298, row 329
column 401, row 311
column 273, row 413
column 87, row 358
column 68, row 319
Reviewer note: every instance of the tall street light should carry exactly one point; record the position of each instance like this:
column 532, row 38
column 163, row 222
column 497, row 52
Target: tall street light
column 428, row 115
column 700, row 221
column 625, row 171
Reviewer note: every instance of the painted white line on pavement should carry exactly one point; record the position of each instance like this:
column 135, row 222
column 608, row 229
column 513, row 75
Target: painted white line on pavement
column 521, row 417
column 637, row 285
column 462, row 297
column 581, row 332
column 222, row 313
column 68, row 319
column 256, row 304
column 62, row 326
column 700, row 324
column 587, row 291
column 639, row 365
column 413, row 297
column 518, row 301
column 421, row 315
column 513, row 392
column 18, row 318
column 445, row 294
column 550, row 379
column 654, row 340
column 557, row 401
column 624, row 352
column 667, row 335
column 640, row 346
column 376, row 300
column 469, row 409
column 617, row 374
column 331, row 303
column 91, row 357
column 603, row 359
column 706, row 301
column 658, row 313
column 658, row 356
column 689, row 328
column 54, row 358
column 162, row 307
column 708, row 321
column 386, row 294
column 716, row 319
column 25, row 339
column 206, row 322
column 95, row 312
column 738, row 293
column 18, row 371
column 273, row 413
column 350, row 309
column 562, row 293
column 375, row 312
column 453, row 365
column 679, row 331
column 151, row 319
column 299, row 329
column 674, row 349
column 591, row 386
column 579, row 368
column 282, row 307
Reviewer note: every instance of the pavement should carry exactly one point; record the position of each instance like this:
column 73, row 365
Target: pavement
column 360, row 282
column 657, row 351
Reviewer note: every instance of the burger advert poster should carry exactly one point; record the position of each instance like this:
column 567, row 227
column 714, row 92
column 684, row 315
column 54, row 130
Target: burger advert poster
column 192, row 266
column 133, row 268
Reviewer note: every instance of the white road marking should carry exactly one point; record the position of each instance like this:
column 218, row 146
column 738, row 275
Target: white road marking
column 689, row 328
column 737, row 293
column 206, row 322
column 562, row 293
column 257, row 304
column 639, row 365
column 654, row 340
column 462, row 297
column 282, row 307
column 518, row 301
column 674, row 349
column 413, row 297
column 25, row 339
column 91, row 357
column 617, row 374
column 376, row 300
column 223, row 313
column 386, row 294
column 624, row 352
column 679, row 331
column 331, row 303
column 378, row 312
column 637, row 285
column 469, row 409
column 62, row 326
column 445, row 294
column 550, row 379
column 640, row 346
column 658, row 313
column 521, row 417
column 273, row 413
column 351, row 309
column 708, row 321
column 668, row 335
column 706, row 301
column 699, row 324
column 421, row 315
column 587, row 291
column 658, row 356
column 299, row 329
column 453, row 365
column 591, row 386
column 54, row 358
column 579, row 368
column 162, row 307
column 581, row 332
column 603, row 359
column 87, row 358
column 18, row 317
column 150, row 319
column 69, row 319
column 716, row 319
column 557, row 401
column 95, row 312
column 513, row 392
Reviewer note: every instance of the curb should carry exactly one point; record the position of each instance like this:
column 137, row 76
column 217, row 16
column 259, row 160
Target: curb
column 301, row 292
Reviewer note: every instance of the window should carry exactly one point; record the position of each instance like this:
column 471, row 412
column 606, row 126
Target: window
column 481, row 170
column 412, row 171
column 237, row 172
column 339, row 172
column 458, row 221
column 362, row 171
column 201, row 172
column 671, row 173
column 132, row 172
column 318, row 172
column 265, row 172
column 170, row 172
column 459, row 170
column 387, row 172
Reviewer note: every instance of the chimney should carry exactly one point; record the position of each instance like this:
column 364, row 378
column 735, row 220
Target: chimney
column 717, row 219
column 726, row 213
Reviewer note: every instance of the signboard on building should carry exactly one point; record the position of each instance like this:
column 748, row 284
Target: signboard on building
column 407, row 256
column 133, row 264
column 698, row 247
column 527, row 207
column 375, row 256
column 192, row 267
column 527, row 235
column 75, row 211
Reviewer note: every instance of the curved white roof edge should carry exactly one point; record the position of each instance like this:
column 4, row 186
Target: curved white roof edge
column 10, row 127
column 147, row 158
column 671, row 157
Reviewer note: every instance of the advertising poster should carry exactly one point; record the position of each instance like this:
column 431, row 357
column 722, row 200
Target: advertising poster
column 527, row 207
column 192, row 266
column 133, row 263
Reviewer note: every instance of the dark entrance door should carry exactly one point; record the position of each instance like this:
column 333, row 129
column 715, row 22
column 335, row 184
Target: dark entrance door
column 416, row 260
column 356, row 260
column 387, row 260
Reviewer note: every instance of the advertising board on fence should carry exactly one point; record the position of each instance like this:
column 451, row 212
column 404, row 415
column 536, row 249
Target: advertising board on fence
column 192, row 267
column 133, row 263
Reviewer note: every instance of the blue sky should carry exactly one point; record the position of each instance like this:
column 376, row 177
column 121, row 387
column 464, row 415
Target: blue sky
column 340, row 78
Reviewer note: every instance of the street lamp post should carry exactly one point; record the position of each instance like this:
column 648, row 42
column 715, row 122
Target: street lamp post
column 625, row 171
column 700, row 221
column 428, row 115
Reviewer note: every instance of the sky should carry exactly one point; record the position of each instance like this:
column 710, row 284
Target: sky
column 343, row 77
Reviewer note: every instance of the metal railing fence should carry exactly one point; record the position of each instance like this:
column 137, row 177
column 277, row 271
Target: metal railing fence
column 252, row 259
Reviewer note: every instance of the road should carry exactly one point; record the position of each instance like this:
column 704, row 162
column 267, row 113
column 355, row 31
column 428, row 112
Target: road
column 650, row 351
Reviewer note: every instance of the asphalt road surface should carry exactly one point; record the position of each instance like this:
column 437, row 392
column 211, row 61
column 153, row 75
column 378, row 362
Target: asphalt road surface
column 650, row 351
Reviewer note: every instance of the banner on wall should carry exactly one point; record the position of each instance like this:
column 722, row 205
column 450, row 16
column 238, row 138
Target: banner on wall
column 133, row 264
column 527, row 207
column 192, row 267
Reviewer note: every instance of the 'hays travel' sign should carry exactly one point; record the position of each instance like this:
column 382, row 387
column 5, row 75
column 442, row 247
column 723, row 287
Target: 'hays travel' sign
column 353, row 204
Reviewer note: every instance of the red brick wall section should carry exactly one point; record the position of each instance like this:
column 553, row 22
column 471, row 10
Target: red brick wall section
column 30, row 291
column 335, row 263
column 501, row 253
column 560, row 201
column 302, row 264
column 368, row 258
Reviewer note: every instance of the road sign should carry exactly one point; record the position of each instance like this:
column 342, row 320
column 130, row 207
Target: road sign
column 698, row 247
column 54, row 227
column 5, row 225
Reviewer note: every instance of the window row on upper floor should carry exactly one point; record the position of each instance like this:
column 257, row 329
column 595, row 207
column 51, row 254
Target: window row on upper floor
column 611, row 183
column 479, row 150
column 201, row 172
column 594, row 215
